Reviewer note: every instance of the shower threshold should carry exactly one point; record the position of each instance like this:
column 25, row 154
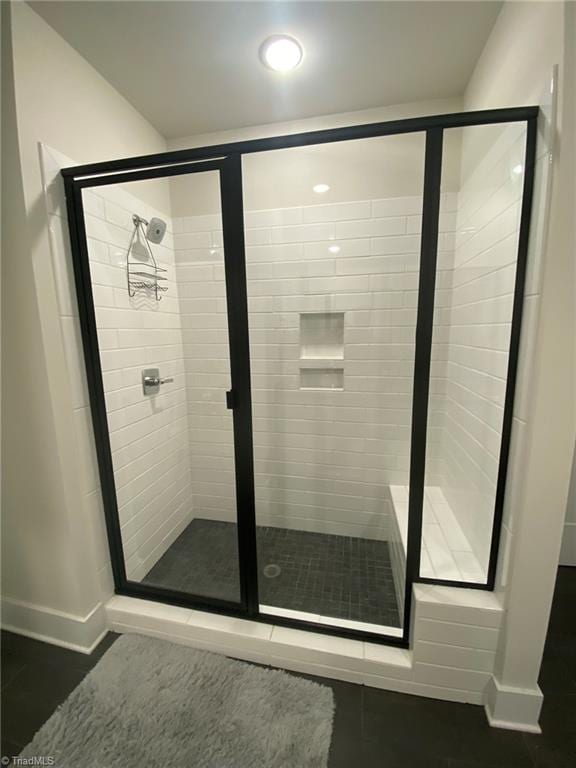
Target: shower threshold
column 313, row 618
column 317, row 577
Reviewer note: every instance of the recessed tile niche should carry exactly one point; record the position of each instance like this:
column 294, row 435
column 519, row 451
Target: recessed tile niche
column 321, row 341
column 321, row 378
column 322, row 336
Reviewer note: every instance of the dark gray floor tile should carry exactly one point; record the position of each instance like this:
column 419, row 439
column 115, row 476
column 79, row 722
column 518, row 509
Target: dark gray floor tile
column 33, row 695
column 565, row 648
column 566, row 582
column 345, row 752
column 47, row 676
column 379, row 755
column 563, row 619
column 479, row 742
column 10, row 748
column 556, row 677
column 348, row 706
column 27, row 650
column 555, row 747
column 339, row 576
column 471, row 763
column 351, row 753
column 424, row 727
column 101, row 649
column 11, row 666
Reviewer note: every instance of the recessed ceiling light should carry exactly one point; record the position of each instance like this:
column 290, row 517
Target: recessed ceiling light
column 320, row 189
column 517, row 169
column 281, row 53
column 334, row 249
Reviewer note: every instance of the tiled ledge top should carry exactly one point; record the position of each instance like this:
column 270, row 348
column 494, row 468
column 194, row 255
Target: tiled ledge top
column 446, row 552
column 458, row 597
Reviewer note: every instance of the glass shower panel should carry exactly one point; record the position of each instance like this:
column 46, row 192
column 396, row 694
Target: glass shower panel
column 161, row 314
column 332, row 251
column 478, row 249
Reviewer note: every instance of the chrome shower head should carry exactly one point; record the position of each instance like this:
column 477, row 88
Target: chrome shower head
column 155, row 230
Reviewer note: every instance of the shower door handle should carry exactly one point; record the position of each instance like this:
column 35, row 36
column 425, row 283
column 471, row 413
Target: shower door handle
column 230, row 399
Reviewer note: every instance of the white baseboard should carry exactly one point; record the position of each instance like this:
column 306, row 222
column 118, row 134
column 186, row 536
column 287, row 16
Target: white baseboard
column 514, row 709
column 78, row 633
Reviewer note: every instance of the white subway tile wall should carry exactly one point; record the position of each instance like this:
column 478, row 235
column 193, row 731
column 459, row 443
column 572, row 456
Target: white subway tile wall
column 207, row 363
column 330, row 434
column 149, row 436
column 472, row 336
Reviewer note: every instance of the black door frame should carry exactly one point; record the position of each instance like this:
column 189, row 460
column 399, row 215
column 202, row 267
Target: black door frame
column 239, row 397
column 227, row 159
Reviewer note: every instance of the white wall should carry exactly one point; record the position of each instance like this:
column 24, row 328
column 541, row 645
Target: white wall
column 515, row 68
column 52, row 547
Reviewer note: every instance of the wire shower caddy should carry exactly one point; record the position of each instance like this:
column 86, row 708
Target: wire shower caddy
column 140, row 279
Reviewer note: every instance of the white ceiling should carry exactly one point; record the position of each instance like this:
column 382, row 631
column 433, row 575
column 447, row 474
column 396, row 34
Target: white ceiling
column 193, row 67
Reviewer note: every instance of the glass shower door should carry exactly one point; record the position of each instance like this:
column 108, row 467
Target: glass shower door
column 333, row 254
column 156, row 255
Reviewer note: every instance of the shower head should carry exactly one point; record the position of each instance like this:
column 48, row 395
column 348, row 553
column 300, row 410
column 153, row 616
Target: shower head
column 155, row 230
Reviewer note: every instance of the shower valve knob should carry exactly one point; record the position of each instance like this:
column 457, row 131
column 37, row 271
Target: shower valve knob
column 151, row 381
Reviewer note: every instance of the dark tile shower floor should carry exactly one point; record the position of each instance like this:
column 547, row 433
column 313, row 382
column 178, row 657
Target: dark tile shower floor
column 338, row 576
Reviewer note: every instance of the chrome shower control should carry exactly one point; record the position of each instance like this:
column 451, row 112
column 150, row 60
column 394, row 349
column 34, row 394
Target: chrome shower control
column 151, row 381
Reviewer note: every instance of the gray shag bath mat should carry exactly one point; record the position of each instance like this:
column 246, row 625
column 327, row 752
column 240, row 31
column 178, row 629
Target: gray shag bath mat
column 151, row 703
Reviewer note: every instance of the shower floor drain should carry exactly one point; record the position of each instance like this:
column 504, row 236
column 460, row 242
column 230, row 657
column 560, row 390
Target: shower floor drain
column 272, row 570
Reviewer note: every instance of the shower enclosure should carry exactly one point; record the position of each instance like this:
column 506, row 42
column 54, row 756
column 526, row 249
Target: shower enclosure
column 302, row 392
